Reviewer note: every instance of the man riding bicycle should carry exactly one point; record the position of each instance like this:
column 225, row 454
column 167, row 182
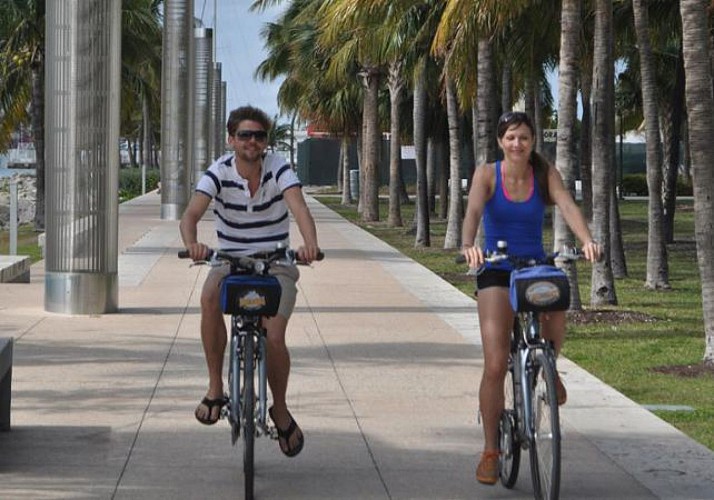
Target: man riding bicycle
column 252, row 193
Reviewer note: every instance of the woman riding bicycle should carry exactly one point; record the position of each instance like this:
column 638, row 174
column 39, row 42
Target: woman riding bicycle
column 511, row 195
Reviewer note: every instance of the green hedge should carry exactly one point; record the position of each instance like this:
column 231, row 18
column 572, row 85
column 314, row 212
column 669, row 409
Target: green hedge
column 130, row 182
column 636, row 185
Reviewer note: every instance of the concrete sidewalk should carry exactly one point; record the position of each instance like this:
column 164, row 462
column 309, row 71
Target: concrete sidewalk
column 385, row 370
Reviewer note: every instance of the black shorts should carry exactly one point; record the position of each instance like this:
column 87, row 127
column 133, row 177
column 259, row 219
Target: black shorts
column 493, row 277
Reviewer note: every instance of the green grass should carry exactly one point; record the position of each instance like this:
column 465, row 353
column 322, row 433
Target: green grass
column 667, row 329
column 26, row 242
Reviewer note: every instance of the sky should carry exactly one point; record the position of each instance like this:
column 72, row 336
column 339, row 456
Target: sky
column 240, row 49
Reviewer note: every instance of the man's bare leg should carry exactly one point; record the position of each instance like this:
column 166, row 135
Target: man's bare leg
column 278, row 373
column 213, row 338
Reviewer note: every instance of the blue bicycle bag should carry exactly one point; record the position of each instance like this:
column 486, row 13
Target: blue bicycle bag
column 249, row 295
column 539, row 288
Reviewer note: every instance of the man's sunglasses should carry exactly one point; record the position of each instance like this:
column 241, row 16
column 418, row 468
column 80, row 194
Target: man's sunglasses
column 245, row 135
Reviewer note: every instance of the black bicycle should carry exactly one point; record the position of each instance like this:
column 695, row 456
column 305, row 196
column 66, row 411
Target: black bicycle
column 531, row 419
column 248, row 294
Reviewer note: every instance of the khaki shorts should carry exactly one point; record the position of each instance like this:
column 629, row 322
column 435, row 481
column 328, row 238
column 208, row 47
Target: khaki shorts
column 287, row 276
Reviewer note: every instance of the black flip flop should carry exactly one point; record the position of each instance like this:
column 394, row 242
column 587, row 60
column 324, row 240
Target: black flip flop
column 210, row 404
column 287, row 434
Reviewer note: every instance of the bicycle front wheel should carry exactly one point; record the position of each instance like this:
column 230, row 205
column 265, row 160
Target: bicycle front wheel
column 508, row 442
column 545, row 442
column 248, row 413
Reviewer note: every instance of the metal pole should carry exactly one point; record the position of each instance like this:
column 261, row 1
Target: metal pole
column 82, row 118
column 13, row 217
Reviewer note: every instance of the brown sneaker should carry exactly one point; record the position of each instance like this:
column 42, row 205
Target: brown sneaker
column 560, row 392
column 487, row 470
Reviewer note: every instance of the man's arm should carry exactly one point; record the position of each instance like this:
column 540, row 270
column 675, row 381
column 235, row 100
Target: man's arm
column 306, row 224
column 188, row 226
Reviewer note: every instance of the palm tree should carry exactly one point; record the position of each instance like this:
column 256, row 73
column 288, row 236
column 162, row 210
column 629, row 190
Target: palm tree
column 700, row 107
column 657, row 273
column 22, row 99
column 452, row 238
column 294, row 53
column 279, row 135
column 22, row 55
column 567, row 111
column 603, row 284
column 141, row 72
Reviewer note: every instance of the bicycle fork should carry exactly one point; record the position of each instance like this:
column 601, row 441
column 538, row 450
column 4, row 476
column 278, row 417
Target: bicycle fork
column 262, row 427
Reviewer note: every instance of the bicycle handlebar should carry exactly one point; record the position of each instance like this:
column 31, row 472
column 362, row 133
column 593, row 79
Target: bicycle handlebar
column 568, row 254
column 254, row 264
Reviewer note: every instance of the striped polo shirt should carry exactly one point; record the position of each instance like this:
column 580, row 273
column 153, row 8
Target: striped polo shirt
column 246, row 225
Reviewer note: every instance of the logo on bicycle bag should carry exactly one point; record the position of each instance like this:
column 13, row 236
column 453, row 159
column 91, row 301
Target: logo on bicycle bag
column 542, row 293
column 251, row 301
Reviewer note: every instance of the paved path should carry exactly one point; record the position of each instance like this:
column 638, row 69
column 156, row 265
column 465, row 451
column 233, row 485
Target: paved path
column 386, row 362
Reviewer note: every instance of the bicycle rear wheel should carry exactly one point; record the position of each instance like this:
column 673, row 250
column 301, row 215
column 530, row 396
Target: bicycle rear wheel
column 509, row 445
column 545, row 444
column 248, row 414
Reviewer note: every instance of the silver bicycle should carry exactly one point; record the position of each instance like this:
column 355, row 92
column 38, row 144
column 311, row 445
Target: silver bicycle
column 531, row 419
column 248, row 294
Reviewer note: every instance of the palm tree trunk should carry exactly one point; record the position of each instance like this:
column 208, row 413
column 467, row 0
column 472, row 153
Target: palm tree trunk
column 672, row 149
column 506, row 87
column 452, row 238
column 487, row 99
column 586, row 184
column 617, row 249
column 396, row 85
column 603, row 283
column 657, row 271
column 567, row 117
column 431, row 174
column 423, row 238
column 700, row 106
column 345, row 167
column 443, row 177
column 38, row 132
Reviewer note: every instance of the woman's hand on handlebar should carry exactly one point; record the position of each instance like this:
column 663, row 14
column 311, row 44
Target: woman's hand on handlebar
column 473, row 255
column 198, row 251
column 592, row 251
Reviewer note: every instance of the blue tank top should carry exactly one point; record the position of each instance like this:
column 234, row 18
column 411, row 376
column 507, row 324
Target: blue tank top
column 518, row 223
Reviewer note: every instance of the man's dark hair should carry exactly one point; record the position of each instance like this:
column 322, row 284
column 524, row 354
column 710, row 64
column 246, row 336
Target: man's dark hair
column 247, row 113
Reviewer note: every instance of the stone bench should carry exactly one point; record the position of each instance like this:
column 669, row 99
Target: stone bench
column 5, row 382
column 15, row 269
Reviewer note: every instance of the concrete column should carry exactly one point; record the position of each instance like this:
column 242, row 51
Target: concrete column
column 82, row 85
column 203, row 87
column 176, row 111
column 218, row 125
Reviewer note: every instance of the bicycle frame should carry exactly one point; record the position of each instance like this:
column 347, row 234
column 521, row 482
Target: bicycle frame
column 527, row 339
column 241, row 328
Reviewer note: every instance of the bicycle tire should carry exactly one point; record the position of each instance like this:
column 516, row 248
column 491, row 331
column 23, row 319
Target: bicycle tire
column 544, row 449
column 510, row 458
column 248, row 415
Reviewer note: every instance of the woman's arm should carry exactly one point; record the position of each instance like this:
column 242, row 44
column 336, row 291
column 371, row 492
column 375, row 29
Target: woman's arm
column 572, row 214
column 482, row 184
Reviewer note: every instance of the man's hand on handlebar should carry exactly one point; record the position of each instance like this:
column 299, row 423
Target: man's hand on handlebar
column 308, row 253
column 198, row 251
